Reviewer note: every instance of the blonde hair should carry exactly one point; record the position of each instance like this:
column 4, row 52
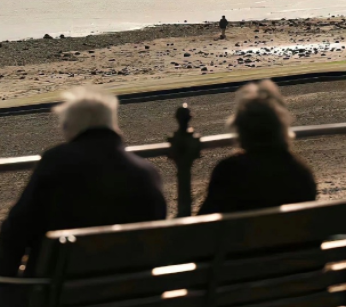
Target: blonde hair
column 261, row 119
column 86, row 108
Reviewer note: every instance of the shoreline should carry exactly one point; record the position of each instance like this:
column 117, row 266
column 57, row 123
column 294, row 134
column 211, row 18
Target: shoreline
column 30, row 67
column 232, row 23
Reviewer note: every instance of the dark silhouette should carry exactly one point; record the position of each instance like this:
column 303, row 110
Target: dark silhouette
column 265, row 172
column 223, row 25
column 89, row 181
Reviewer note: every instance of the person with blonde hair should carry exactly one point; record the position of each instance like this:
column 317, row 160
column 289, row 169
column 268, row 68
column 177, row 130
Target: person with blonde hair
column 91, row 180
column 264, row 172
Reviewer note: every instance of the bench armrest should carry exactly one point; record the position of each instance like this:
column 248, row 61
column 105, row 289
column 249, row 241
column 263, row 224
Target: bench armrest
column 24, row 281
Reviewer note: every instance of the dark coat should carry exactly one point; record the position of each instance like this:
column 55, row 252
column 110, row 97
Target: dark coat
column 250, row 181
column 223, row 23
column 91, row 181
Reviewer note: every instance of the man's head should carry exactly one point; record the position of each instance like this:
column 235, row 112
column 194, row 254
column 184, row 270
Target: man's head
column 223, row 17
column 85, row 109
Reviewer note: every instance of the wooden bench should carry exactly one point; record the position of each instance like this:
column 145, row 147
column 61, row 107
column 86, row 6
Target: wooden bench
column 285, row 256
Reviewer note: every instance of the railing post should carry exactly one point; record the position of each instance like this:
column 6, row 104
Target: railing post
column 185, row 149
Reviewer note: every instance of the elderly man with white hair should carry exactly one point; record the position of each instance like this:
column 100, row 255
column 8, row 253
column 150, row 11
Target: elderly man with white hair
column 89, row 181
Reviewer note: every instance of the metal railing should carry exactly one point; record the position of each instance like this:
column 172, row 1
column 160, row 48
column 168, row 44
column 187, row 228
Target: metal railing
column 184, row 147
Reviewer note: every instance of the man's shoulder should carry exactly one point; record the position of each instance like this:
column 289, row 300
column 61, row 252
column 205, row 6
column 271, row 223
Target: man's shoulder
column 63, row 154
column 57, row 151
column 140, row 163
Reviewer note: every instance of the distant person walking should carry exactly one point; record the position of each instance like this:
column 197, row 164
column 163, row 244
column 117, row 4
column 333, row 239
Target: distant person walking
column 223, row 25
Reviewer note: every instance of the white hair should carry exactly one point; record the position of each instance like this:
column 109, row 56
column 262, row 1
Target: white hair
column 86, row 108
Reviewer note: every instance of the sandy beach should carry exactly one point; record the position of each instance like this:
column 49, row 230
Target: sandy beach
column 31, row 67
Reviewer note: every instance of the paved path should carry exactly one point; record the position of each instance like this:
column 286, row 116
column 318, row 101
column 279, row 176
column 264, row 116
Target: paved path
column 152, row 122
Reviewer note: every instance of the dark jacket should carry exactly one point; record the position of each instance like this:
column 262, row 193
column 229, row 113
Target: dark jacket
column 223, row 23
column 90, row 181
column 250, row 181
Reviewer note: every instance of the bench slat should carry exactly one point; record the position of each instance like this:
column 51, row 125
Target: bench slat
column 279, row 264
column 320, row 299
column 282, row 226
column 131, row 285
column 192, row 299
column 140, row 250
column 277, row 288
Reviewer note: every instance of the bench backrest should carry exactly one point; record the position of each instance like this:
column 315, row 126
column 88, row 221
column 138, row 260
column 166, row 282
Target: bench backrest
column 271, row 257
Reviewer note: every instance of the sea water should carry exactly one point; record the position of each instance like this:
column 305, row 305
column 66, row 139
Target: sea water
column 21, row 19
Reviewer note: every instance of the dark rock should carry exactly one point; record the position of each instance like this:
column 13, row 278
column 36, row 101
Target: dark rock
column 204, row 69
column 147, row 47
column 186, row 54
column 77, row 53
column 47, row 36
column 62, row 36
column 111, row 60
column 91, row 51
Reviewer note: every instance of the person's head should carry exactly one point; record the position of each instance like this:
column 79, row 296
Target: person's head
column 261, row 120
column 223, row 17
column 85, row 109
